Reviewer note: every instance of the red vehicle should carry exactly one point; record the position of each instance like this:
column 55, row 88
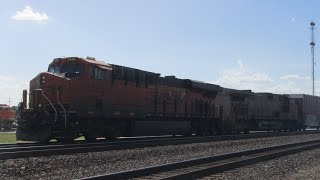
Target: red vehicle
column 7, row 117
column 83, row 96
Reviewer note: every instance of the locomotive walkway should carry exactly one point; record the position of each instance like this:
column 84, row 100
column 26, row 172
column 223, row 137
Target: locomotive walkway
column 13, row 151
column 201, row 167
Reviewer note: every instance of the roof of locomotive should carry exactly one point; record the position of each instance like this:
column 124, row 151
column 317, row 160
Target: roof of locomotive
column 189, row 83
column 269, row 94
column 170, row 80
column 96, row 62
column 236, row 91
column 90, row 60
column 149, row 72
column 301, row 95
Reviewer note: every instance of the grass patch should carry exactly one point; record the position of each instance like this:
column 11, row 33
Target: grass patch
column 8, row 137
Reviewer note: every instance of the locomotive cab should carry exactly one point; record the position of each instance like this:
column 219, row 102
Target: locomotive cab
column 54, row 102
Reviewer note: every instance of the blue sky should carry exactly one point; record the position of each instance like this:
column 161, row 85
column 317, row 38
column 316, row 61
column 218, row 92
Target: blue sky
column 243, row 44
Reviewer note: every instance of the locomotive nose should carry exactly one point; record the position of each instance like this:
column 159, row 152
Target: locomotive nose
column 35, row 83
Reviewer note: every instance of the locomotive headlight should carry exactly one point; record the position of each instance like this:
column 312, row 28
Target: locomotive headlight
column 42, row 79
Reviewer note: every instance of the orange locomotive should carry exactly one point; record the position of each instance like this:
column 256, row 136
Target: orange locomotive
column 83, row 96
column 7, row 117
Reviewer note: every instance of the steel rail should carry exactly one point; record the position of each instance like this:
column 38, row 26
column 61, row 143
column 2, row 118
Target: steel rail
column 222, row 137
column 35, row 150
column 201, row 167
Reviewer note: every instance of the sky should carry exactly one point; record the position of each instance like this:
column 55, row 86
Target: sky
column 242, row 44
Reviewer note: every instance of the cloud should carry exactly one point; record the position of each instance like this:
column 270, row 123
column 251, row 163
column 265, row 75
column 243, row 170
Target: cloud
column 28, row 14
column 286, row 88
column 293, row 20
column 239, row 78
column 293, row 77
column 240, row 63
column 10, row 87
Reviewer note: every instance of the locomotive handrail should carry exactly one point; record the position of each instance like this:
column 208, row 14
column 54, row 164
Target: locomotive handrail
column 56, row 113
column 65, row 112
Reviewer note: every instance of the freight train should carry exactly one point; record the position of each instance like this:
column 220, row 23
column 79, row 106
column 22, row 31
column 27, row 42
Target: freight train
column 86, row 97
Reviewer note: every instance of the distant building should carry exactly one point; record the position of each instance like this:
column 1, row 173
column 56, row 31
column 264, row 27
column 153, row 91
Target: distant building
column 4, row 106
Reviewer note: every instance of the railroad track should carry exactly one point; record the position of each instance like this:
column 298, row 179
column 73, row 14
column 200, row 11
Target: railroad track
column 222, row 137
column 13, row 151
column 201, row 167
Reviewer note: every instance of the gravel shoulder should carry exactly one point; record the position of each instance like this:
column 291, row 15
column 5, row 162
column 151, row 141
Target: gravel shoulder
column 89, row 164
column 304, row 165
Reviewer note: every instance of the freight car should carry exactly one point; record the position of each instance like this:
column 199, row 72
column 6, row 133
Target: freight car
column 7, row 117
column 308, row 110
column 83, row 96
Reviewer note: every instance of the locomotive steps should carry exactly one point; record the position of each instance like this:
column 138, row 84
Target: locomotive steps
column 13, row 151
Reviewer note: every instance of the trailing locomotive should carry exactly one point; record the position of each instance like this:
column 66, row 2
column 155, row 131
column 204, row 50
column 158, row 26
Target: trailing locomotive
column 85, row 97
column 246, row 111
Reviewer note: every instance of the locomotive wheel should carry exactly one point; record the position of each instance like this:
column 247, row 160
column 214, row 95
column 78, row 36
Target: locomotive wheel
column 44, row 141
column 111, row 138
column 114, row 136
column 65, row 140
column 89, row 138
column 188, row 134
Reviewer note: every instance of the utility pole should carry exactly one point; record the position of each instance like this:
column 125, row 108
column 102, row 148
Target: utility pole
column 9, row 101
column 312, row 44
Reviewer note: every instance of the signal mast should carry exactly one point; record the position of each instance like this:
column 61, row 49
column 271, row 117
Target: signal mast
column 312, row 44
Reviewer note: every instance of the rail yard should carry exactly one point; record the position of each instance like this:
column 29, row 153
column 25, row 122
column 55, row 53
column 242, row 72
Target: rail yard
column 138, row 124
column 166, row 89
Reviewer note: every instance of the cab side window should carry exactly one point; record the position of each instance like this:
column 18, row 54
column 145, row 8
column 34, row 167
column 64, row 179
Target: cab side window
column 100, row 73
column 97, row 73
column 91, row 72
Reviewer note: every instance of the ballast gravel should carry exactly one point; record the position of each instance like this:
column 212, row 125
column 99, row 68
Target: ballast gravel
column 304, row 165
column 97, row 163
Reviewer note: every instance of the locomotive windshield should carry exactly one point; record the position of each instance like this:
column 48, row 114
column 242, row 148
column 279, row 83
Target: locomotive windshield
column 54, row 69
column 70, row 70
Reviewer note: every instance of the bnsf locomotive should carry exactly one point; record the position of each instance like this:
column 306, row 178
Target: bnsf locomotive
column 85, row 97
